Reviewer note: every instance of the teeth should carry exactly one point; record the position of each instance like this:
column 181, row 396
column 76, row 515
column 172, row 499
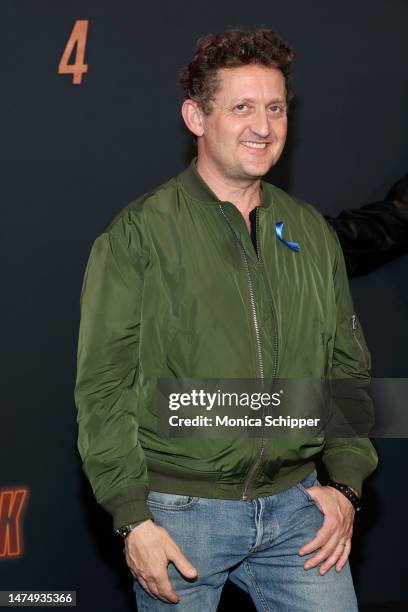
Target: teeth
column 255, row 145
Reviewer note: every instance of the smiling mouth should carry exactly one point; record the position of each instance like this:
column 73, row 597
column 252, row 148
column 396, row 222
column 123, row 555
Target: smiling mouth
column 254, row 145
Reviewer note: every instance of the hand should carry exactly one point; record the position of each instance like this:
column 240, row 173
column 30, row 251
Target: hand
column 334, row 537
column 149, row 548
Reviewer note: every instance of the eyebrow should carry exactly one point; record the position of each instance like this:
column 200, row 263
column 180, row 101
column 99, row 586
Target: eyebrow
column 252, row 100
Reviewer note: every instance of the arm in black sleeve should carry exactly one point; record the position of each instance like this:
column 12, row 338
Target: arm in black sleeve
column 375, row 233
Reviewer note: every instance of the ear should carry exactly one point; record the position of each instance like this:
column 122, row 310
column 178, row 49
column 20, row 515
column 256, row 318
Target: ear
column 193, row 116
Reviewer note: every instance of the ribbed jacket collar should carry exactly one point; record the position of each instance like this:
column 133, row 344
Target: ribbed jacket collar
column 198, row 189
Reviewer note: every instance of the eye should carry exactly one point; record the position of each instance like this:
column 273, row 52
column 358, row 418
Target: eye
column 241, row 107
column 277, row 109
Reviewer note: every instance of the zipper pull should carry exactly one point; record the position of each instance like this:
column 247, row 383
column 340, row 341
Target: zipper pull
column 354, row 322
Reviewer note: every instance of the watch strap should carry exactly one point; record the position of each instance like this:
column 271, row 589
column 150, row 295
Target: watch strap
column 347, row 492
column 126, row 529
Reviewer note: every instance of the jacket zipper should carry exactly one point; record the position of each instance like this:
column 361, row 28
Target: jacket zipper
column 251, row 298
column 256, row 464
column 354, row 326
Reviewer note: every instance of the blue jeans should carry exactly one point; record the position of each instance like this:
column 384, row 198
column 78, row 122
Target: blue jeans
column 255, row 544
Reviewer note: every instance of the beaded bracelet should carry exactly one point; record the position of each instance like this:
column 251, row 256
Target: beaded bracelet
column 343, row 488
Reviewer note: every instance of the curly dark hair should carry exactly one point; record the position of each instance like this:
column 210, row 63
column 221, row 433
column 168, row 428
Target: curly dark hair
column 231, row 49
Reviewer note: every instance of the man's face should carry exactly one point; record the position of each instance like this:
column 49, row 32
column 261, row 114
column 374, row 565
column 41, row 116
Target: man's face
column 245, row 133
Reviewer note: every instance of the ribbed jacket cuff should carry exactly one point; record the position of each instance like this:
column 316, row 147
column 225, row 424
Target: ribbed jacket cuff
column 127, row 505
column 348, row 467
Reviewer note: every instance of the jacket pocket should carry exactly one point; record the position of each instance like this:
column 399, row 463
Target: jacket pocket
column 325, row 350
column 359, row 341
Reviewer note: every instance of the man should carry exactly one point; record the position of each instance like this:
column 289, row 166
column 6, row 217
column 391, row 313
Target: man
column 203, row 277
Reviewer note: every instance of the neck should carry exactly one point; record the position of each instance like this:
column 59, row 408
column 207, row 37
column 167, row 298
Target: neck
column 244, row 194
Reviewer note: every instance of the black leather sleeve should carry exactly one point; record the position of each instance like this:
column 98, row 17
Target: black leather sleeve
column 375, row 233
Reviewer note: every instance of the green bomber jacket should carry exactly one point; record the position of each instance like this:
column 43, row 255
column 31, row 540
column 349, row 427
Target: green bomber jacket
column 174, row 289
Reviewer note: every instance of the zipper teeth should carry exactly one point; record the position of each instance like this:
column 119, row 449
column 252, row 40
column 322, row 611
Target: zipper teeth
column 275, row 365
column 276, row 342
column 256, row 464
column 254, row 317
column 354, row 327
column 251, row 296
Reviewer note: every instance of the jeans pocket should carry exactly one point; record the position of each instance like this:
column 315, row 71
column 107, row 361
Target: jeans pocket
column 309, row 481
column 170, row 501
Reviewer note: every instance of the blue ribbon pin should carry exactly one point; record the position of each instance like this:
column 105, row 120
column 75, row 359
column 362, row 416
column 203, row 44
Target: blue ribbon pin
column 279, row 232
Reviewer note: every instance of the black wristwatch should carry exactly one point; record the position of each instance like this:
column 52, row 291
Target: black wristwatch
column 126, row 529
column 351, row 496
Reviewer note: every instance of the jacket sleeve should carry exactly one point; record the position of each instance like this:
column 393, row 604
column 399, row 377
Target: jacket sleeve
column 351, row 459
column 376, row 233
column 106, row 383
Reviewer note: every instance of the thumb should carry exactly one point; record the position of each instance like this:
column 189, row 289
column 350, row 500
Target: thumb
column 314, row 493
column 183, row 565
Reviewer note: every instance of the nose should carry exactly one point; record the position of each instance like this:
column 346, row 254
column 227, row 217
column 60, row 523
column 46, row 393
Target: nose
column 260, row 124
